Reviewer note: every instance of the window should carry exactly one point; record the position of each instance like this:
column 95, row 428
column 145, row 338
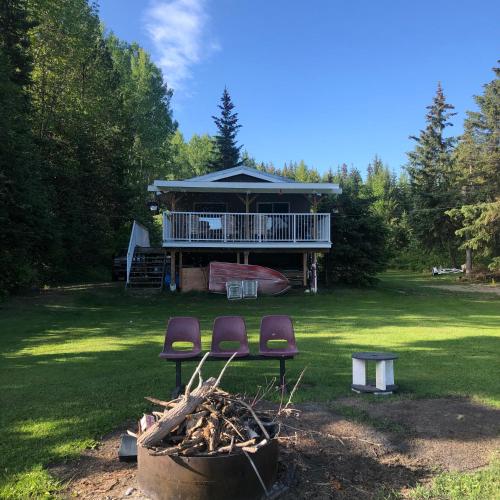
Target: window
column 273, row 207
column 209, row 207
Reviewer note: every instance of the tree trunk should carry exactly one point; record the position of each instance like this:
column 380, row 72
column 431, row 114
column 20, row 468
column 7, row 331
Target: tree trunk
column 468, row 261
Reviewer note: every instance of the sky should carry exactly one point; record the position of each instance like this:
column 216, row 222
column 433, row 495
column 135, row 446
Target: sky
column 324, row 81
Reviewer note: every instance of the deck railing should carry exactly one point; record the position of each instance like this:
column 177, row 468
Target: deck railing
column 245, row 227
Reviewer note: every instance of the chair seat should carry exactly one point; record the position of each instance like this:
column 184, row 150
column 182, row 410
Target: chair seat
column 228, row 354
column 180, row 354
column 279, row 352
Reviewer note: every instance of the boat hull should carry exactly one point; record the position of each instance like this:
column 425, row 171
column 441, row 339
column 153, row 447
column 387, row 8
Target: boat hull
column 271, row 282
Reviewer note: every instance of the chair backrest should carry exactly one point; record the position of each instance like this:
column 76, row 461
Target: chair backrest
column 276, row 327
column 232, row 329
column 182, row 329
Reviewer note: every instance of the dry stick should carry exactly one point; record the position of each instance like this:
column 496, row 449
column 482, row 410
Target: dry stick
column 233, row 426
column 333, row 435
column 295, row 388
column 254, row 415
column 196, row 372
column 159, row 402
column 254, row 467
column 219, row 378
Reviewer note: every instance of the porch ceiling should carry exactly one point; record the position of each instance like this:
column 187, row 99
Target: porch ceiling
column 160, row 186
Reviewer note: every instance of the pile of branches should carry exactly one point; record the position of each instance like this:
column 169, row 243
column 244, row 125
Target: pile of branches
column 206, row 421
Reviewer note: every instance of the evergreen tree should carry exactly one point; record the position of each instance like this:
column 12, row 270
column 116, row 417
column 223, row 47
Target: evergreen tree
column 432, row 180
column 359, row 235
column 227, row 152
column 24, row 211
column 478, row 168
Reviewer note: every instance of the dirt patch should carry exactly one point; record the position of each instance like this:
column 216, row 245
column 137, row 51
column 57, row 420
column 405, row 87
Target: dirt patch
column 472, row 288
column 350, row 449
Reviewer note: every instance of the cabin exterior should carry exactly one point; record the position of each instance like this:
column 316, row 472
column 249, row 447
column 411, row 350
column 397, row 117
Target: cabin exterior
column 242, row 215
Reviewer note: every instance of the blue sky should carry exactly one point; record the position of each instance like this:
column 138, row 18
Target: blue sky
column 325, row 81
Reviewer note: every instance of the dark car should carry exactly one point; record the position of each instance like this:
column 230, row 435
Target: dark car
column 119, row 269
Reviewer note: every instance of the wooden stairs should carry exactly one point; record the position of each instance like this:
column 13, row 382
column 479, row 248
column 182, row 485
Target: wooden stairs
column 148, row 268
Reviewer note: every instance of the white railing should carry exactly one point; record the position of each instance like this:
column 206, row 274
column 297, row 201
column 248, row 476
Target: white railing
column 245, row 227
column 138, row 237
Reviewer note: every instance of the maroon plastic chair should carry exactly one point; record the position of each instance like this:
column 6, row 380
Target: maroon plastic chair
column 277, row 328
column 182, row 329
column 229, row 329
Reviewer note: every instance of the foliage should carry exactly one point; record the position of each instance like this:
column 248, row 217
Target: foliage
column 478, row 164
column 24, row 214
column 227, row 152
column 359, row 236
column 85, row 126
column 432, row 180
column 91, row 343
column 190, row 158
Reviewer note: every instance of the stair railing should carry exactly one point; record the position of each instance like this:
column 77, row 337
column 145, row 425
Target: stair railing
column 138, row 237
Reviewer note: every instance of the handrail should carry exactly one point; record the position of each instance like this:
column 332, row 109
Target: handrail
column 253, row 227
column 139, row 236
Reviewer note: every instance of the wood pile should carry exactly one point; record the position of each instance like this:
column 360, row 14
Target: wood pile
column 205, row 422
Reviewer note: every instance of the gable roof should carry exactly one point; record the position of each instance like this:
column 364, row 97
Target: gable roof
column 241, row 170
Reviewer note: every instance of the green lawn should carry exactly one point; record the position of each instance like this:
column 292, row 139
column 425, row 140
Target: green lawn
column 76, row 365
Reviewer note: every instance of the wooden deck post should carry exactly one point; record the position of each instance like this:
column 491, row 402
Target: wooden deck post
column 237, row 257
column 180, row 270
column 314, row 269
column 172, row 270
column 246, row 257
column 304, row 269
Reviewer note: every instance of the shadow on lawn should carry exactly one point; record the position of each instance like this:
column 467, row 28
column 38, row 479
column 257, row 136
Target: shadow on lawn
column 56, row 400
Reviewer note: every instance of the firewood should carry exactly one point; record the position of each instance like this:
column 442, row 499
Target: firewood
column 174, row 417
column 254, row 449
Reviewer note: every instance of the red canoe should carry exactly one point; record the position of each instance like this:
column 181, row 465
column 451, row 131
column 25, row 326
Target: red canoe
column 271, row 282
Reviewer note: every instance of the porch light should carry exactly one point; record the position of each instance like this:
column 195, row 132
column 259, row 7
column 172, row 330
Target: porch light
column 153, row 206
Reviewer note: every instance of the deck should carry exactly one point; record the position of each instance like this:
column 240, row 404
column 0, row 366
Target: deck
column 246, row 230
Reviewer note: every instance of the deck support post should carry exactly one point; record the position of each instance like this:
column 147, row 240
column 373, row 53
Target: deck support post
column 304, row 269
column 172, row 270
column 237, row 257
column 180, row 270
column 314, row 269
column 246, row 254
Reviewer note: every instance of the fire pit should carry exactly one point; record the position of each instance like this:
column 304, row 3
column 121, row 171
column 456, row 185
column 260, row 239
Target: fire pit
column 218, row 477
column 207, row 444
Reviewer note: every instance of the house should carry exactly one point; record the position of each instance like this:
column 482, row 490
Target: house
column 237, row 215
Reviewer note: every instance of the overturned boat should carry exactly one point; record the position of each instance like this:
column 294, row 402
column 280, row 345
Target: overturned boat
column 271, row 282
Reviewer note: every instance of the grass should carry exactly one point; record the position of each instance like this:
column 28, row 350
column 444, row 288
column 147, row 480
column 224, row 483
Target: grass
column 481, row 485
column 76, row 364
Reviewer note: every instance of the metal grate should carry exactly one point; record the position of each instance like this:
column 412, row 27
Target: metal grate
column 249, row 289
column 234, row 290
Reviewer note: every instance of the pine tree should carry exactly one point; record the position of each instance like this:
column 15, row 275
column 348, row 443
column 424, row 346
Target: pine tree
column 227, row 152
column 478, row 164
column 432, row 180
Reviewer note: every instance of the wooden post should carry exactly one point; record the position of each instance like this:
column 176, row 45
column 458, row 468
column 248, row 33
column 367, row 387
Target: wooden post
column 172, row 271
column 304, row 269
column 180, row 270
column 237, row 257
column 314, row 269
column 246, row 257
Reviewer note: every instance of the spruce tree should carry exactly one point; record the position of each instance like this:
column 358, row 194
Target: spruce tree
column 227, row 152
column 432, row 180
column 478, row 172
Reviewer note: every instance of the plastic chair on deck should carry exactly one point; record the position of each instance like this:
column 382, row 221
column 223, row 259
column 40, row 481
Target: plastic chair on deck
column 182, row 329
column 277, row 328
column 229, row 329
